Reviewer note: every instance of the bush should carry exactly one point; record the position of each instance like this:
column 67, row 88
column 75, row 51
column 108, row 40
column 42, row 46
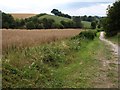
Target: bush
column 57, row 25
column 93, row 25
column 88, row 34
column 47, row 23
column 39, row 26
column 30, row 25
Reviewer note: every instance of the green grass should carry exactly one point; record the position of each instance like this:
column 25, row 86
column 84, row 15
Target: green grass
column 86, row 24
column 64, row 64
column 115, row 39
column 56, row 18
column 81, row 72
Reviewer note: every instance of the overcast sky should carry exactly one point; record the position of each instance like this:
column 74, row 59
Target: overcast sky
column 72, row 7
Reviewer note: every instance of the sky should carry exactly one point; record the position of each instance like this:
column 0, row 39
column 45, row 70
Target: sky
column 71, row 7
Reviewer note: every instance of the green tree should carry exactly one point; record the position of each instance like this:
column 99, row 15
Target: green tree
column 30, row 25
column 7, row 21
column 93, row 25
column 19, row 23
column 47, row 23
column 57, row 25
column 39, row 26
column 59, row 13
column 113, row 19
column 99, row 26
column 77, row 21
column 90, row 18
column 0, row 19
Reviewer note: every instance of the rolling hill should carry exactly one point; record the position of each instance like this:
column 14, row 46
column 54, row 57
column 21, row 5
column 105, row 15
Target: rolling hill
column 86, row 24
column 57, row 19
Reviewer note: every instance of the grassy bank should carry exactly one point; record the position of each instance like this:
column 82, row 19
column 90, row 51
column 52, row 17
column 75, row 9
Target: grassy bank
column 68, row 63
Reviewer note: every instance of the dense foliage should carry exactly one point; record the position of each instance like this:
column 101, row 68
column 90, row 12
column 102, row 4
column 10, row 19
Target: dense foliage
column 45, row 21
column 90, row 18
column 0, row 19
column 59, row 13
column 77, row 20
column 36, row 22
column 7, row 21
column 93, row 25
column 88, row 34
column 111, row 23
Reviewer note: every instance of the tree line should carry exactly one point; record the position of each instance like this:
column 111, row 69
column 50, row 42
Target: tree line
column 59, row 13
column 48, row 23
column 35, row 23
column 56, row 12
column 111, row 23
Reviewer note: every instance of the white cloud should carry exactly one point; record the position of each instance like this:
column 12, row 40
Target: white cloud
column 33, row 6
column 45, row 6
column 98, row 9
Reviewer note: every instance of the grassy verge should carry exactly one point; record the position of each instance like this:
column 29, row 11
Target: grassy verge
column 69, row 63
column 115, row 39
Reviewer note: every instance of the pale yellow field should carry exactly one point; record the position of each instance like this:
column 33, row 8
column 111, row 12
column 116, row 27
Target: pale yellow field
column 23, row 38
column 22, row 15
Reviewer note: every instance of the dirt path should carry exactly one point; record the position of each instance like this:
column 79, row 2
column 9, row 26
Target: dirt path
column 113, row 46
column 109, row 74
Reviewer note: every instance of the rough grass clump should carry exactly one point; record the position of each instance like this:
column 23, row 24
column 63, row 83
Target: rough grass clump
column 52, row 56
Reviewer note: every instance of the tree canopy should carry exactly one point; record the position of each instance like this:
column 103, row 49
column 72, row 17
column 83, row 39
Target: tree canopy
column 93, row 25
column 112, row 21
column 7, row 21
column 59, row 13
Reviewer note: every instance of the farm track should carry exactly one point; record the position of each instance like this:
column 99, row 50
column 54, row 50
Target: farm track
column 106, row 65
column 114, row 47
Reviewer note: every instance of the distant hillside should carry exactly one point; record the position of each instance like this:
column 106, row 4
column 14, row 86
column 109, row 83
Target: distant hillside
column 56, row 18
column 42, row 21
column 22, row 15
column 86, row 24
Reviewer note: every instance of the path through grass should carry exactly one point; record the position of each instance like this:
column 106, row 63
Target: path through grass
column 71, row 63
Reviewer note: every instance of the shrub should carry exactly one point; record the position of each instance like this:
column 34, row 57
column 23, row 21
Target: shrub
column 88, row 34
column 93, row 25
column 30, row 25
column 39, row 26
column 57, row 25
